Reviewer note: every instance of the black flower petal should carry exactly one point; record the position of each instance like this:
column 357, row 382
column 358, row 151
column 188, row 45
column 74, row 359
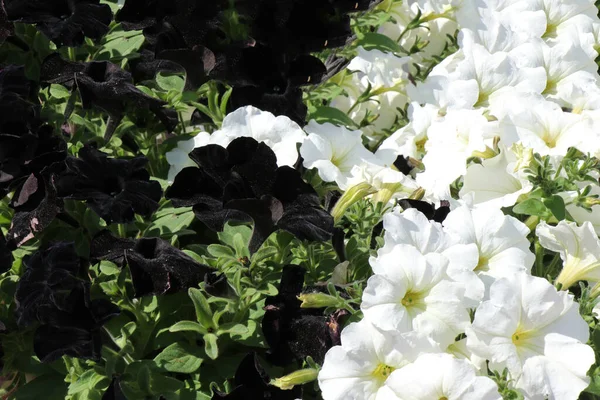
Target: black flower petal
column 6, row 27
column 115, row 189
column 65, row 22
column 79, row 337
column 26, row 145
column 106, row 86
column 243, row 182
column 6, row 257
column 51, row 294
column 36, row 205
column 156, row 266
column 252, row 382
column 48, row 285
column 436, row 214
column 114, row 391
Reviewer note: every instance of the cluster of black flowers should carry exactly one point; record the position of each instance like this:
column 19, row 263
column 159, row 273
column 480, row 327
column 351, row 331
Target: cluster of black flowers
column 65, row 22
column 30, row 155
column 243, row 182
column 266, row 64
column 51, row 296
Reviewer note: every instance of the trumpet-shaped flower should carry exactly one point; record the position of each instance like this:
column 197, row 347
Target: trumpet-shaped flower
column 441, row 376
column 379, row 68
column 451, row 141
column 359, row 369
column 411, row 291
column 496, row 182
column 333, row 151
column 536, row 332
column 579, row 249
column 501, row 239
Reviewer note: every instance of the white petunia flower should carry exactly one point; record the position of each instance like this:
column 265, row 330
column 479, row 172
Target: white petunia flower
column 537, row 333
column 409, row 141
column 450, row 142
column 496, row 182
column 360, row 367
column 546, row 129
column 411, row 291
column 280, row 133
column 441, row 376
column 333, row 151
column 501, row 239
column 579, row 249
column 379, row 68
column 460, row 350
column 178, row 158
column 412, row 228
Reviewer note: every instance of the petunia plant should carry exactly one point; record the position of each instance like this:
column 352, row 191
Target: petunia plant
column 299, row 199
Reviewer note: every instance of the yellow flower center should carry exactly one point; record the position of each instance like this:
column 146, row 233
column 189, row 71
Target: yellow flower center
column 414, row 301
column 382, row 372
column 520, row 337
column 482, row 264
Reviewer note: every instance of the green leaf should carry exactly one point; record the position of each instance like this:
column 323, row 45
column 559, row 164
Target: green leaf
column 203, row 311
column 180, row 357
column 218, row 251
column 377, row 41
column 59, row 91
column 87, row 381
column 170, row 82
column 333, row 115
column 531, row 207
column 188, row 326
column 556, row 204
column 210, row 346
column 48, row 387
column 232, row 328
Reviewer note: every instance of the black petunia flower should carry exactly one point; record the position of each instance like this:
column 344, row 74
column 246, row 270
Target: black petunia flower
column 293, row 333
column 180, row 32
column 106, row 86
column 115, row 189
column 156, row 266
column 242, row 182
column 6, row 27
column 51, row 294
column 429, row 210
column 27, row 146
column 65, row 22
column 282, row 25
column 114, row 392
column 6, row 257
column 268, row 79
column 252, row 382
column 36, row 205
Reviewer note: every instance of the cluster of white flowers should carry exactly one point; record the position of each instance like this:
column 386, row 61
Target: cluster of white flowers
column 449, row 304
column 428, row 278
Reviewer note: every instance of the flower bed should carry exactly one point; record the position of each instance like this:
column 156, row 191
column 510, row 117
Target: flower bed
column 299, row 199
